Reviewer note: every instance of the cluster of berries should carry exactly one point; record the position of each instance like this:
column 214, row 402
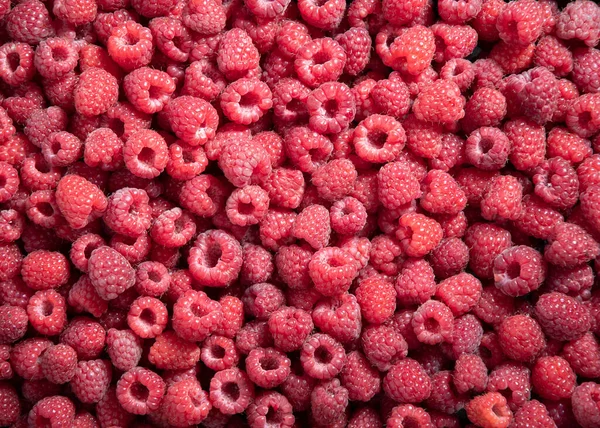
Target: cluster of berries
column 277, row 214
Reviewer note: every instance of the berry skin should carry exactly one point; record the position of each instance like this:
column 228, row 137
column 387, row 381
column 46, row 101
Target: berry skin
column 231, row 391
column 339, row 317
column 585, row 407
column 579, row 20
column 13, row 323
column 519, row 270
column 433, row 323
column 406, row 414
column 185, row 402
column 206, row 267
column 196, row 316
column 88, row 99
column 418, row 234
column 442, row 194
column 43, row 270
column 267, row 367
column 377, row 299
column 503, row 199
column 356, row 42
column 290, row 327
column 91, row 380
column 49, row 322
column 562, row 317
column 527, row 141
column 86, row 336
column 55, row 411
column 124, row 348
column 489, row 409
column 79, row 200
column 407, row 382
column 170, row 352
column 322, row 357
column 110, row 273
column 237, row 57
column 570, row 245
column 140, row 391
column 521, row 337
column 440, row 102
column 567, row 145
column 397, row 185
column 29, row 22
column 360, row 379
column 556, row 183
column 383, row 346
column 553, row 378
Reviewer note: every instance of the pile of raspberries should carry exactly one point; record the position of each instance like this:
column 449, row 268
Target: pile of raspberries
column 307, row 213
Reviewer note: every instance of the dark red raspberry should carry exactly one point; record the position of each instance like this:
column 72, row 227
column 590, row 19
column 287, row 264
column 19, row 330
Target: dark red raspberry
column 24, row 69
column 433, row 322
column 14, row 292
column 466, row 336
column 231, row 391
column 124, row 348
column 9, row 403
column 521, row 337
column 55, row 57
column 110, row 273
column 470, row 374
column 273, row 403
column 319, row 61
column 13, row 323
column 86, row 336
column 415, row 283
column 519, row 270
column 109, row 411
column 570, row 245
column 407, row 382
column 579, row 21
column 584, row 401
column 339, row 317
column 360, row 379
column 365, row 417
column 444, row 397
column 562, row 317
column 267, row 367
column 553, row 378
column 449, row 258
column 583, row 355
column 575, row 282
column 171, row 352
column 489, row 409
column 53, row 411
column 383, row 346
column 329, row 400
column 42, row 270
column 582, row 117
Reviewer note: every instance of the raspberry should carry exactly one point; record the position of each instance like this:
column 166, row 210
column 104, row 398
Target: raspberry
column 130, row 45
column 418, row 234
column 84, row 335
column 378, row 139
column 588, row 199
column 215, row 259
column 185, row 162
column 246, row 100
column 503, row 199
column 24, row 69
column 319, row 61
column 383, row 346
column 407, row 382
column 519, row 270
column 585, row 405
column 91, row 380
column 412, row 51
column 203, row 195
column 360, row 378
column 568, row 92
column 453, row 41
column 433, row 322
column 44, row 122
column 521, row 337
column 460, row 292
column 154, row 8
column 253, row 334
column 326, row 16
column 459, row 12
column 47, row 312
column 328, row 402
column 290, row 327
column 583, row 355
column 62, row 149
column 424, row 139
column 512, row 380
column 147, row 317
column 574, row 282
column 12, row 224
column 140, row 391
column 407, row 414
column 307, row 149
column 443, row 396
column 298, row 387
column 442, row 194
column 285, row 187
column 582, row 118
column 10, row 182
column 145, row 154
column 245, row 163
column 449, row 258
column 110, row 273
column 219, row 353
column 195, row 316
column 397, row 185
column 366, row 417
column 231, row 391
column 578, row 21
column 185, row 402
column 108, row 410
column 148, row 90
column 332, row 270
column 459, row 71
column 53, row 411
column 356, row 42
column 487, row 148
column 42, row 270
column 466, row 336
column 489, row 409
column 9, row 403
column 416, row 282
column 247, row 205
column 124, row 348
column 552, row 53
column 172, row 38
column 267, row 367
column 562, row 317
column 171, row 352
column 570, row 245
column 79, row 200
column 569, row 146
column 270, row 405
column 470, row 374
column 553, row 378
column 55, row 57
column 88, row 99
column 29, row 22
column 335, row 179
column 377, row 299
column 262, row 300
column 13, row 323
column 237, row 57
column 339, row 317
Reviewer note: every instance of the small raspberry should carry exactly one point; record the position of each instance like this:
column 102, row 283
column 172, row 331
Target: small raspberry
column 124, row 348
column 570, row 245
column 356, row 42
column 415, row 283
column 237, row 56
column 24, row 69
column 503, row 199
column 140, row 391
column 397, row 185
column 13, row 323
column 268, row 405
column 460, row 292
column 231, row 391
column 290, row 327
column 489, row 409
column 579, row 21
column 521, row 337
column 148, row 90
column 553, row 54
column 519, row 270
column 47, row 311
column 110, row 273
column 130, row 45
column 91, row 380
column 171, row 352
column 383, row 346
column 44, row 122
column 470, row 374
column 185, row 402
column 96, row 91
column 145, row 154
column 407, row 414
column 442, row 194
column 407, row 382
column 553, row 378
column 440, row 102
column 339, row 317
column 449, row 258
column 196, row 316
column 55, row 57
column 424, row 139
column 52, row 411
column 147, row 317
column 319, row 61
column 562, row 317
column 418, row 234
column 245, row 162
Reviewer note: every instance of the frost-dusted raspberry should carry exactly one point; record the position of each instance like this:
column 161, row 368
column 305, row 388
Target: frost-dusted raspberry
column 433, row 322
column 110, row 273
column 55, row 57
column 360, row 379
column 407, row 382
column 521, row 337
column 267, row 367
column 579, row 21
column 147, row 317
column 339, row 317
column 79, row 200
column 47, row 312
column 442, row 194
column 171, row 352
column 460, row 292
column 51, row 411
column 140, row 391
column 470, row 374
column 196, row 316
column 130, row 45
column 245, row 162
column 585, row 404
column 459, row 12
column 407, row 414
column 383, row 346
column 319, row 61
column 29, row 22
column 418, row 234
column 582, row 117
column 91, row 380
column 332, row 270
column 567, row 145
column 24, row 69
column 215, row 259
column 13, row 323
column 124, row 348
column 290, row 327
column 553, row 378
column 148, row 90
column 490, row 409
column 570, row 245
column 231, row 391
column 519, row 270
column 377, row 299
column 42, row 270
column 96, row 91
column 562, row 317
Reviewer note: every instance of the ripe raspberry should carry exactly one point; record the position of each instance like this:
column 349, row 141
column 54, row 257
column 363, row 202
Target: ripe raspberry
column 556, row 183
column 262, row 300
column 378, row 139
column 196, row 316
column 440, row 102
column 13, row 323
column 55, row 57
column 215, row 259
column 219, row 353
column 397, row 185
column 338, row 317
column 567, row 145
column 329, row 401
column 47, row 312
column 322, row 357
column 109, row 411
column 365, row 416
column 88, row 99
column 424, row 139
column 252, row 335
column 62, row 149
column 503, row 199
column 52, row 411
column 147, row 317
column 91, row 380
column 444, row 397
column 562, row 317
column 270, row 403
column 470, row 374
column 585, row 404
column 185, row 162
column 407, row 414
column 574, row 282
column 553, row 54
column 418, row 234
column 29, row 22
column 44, row 122
column 231, row 391
column 145, row 154
column 407, row 382
column 130, row 45
column 267, row 367
column 460, row 292
column 332, row 270
column 383, row 346
column 415, row 283
column 24, row 68
column 449, row 258
column 360, row 379
column 79, row 200
column 583, row 355
column 237, row 57
column 84, row 335
column 459, row 12
column 42, row 270
column 568, row 92
column 335, row 179
column 356, row 42
column 588, row 200
column 319, row 61
column 582, row 117
column 59, row 363
column 553, row 378
column 124, row 348
column 140, row 391
column 148, row 90
column 244, row 163
column 579, row 21
column 489, row 409
column 521, row 337
column 377, row 299
column 171, row 352
column 412, row 51
column 290, row 327
column 433, row 322
column 110, row 273
column 519, row 270
column 570, row 245
column 9, row 403
column 459, row 71
column 397, row 13
column 442, row 194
